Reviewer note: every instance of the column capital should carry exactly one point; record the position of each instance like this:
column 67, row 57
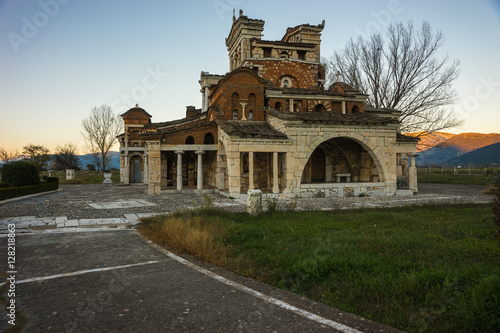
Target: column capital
column 199, row 152
column 179, row 152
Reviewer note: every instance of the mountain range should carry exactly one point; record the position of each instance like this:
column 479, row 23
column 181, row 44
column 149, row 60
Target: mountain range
column 89, row 159
column 474, row 149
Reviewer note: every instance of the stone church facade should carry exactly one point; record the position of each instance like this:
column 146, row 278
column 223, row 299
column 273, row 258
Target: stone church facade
column 270, row 124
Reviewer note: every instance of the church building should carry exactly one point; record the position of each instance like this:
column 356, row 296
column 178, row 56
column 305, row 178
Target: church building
column 271, row 124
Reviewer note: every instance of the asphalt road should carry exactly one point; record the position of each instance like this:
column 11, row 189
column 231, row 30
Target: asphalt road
column 114, row 281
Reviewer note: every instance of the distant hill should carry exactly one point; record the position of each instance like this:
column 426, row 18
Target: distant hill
column 488, row 155
column 429, row 140
column 456, row 146
column 88, row 159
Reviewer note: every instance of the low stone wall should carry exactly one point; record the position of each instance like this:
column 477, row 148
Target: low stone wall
column 342, row 190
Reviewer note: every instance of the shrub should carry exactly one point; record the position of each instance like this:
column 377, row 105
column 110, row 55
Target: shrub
column 20, row 173
column 272, row 205
column 13, row 192
column 52, row 180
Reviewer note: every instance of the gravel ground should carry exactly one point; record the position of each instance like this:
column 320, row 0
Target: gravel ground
column 73, row 201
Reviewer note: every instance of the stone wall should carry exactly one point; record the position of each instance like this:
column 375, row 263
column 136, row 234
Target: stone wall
column 198, row 133
column 304, row 74
column 340, row 190
column 242, row 87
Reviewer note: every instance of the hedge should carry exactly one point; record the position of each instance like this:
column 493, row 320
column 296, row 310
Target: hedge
column 20, row 173
column 13, row 192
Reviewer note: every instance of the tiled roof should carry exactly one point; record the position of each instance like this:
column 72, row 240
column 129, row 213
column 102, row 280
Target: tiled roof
column 169, row 130
column 303, row 91
column 406, row 138
column 182, row 121
column 250, row 129
column 361, row 118
column 282, row 43
column 136, row 111
column 342, row 86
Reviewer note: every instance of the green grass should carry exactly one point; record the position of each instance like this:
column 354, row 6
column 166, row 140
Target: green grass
column 432, row 268
column 85, row 177
column 454, row 179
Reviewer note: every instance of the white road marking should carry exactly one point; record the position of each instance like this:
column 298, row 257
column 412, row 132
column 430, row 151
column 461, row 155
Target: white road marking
column 103, row 269
column 266, row 298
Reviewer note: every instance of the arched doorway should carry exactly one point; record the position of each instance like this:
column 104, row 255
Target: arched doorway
column 136, row 169
column 318, row 166
column 209, row 139
column 341, row 160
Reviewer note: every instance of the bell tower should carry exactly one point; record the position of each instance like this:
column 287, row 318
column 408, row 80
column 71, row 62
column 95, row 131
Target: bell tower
column 238, row 43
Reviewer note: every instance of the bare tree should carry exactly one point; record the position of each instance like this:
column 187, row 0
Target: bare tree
column 403, row 73
column 8, row 156
column 100, row 130
column 37, row 154
column 66, row 158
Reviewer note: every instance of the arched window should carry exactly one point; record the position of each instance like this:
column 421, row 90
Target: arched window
column 208, row 139
column 136, row 144
column 250, row 115
column 277, row 106
column 285, row 82
column 319, row 108
column 190, row 140
column 284, row 54
column 235, row 114
column 355, row 109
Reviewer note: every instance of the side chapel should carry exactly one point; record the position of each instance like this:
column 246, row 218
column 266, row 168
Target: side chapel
column 270, row 124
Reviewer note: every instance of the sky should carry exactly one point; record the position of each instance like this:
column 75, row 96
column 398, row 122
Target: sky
column 61, row 58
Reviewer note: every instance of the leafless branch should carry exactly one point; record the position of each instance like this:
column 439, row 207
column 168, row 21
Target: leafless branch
column 100, row 130
column 402, row 72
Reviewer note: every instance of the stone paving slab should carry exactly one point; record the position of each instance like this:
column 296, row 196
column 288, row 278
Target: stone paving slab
column 33, row 223
column 121, row 204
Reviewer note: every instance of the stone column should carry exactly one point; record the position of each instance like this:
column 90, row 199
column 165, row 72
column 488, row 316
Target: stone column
column 234, row 173
column 291, row 105
column 154, row 182
column 179, row 169
column 243, row 106
column 413, row 174
column 203, row 103
column 250, row 171
column 221, row 166
column 126, row 169
column 276, row 188
column 207, row 92
column 199, row 185
column 146, row 171
column 343, row 107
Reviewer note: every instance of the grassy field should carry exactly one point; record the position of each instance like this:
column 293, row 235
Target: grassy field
column 84, row 177
column 454, row 179
column 448, row 176
column 432, row 269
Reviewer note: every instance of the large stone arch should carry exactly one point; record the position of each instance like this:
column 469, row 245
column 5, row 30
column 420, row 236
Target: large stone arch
column 377, row 155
